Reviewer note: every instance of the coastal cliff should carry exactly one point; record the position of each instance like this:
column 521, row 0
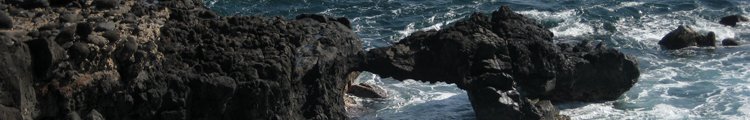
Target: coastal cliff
column 113, row 59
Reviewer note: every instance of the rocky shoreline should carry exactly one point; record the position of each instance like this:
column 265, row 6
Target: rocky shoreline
column 113, row 59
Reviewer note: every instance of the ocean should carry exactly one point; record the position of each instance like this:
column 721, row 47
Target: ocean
column 691, row 83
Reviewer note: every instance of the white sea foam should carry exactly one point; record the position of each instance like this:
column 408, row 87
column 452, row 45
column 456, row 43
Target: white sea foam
column 570, row 23
column 411, row 28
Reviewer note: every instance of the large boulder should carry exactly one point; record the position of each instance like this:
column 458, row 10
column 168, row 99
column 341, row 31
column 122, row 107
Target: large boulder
column 17, row 96
column 732, row 20
column 507, row 63
column 685, row 36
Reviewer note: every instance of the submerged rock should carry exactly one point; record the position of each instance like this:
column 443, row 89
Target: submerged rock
column 730, row 42
column 707, row 41
column 732, row 20
column 506, row 63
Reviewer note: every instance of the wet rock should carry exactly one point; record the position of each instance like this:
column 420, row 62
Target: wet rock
column 730, row 42
column 345, row 22
column 367, row 91
column 504, row 61
column 319, row 18
column 105, row 26
column 599, row 74
column 106, row 4
column 732, row 20
column 208, row 14
column 493, row 104
column 707, row 41
column 681, row 37
column 6, row 22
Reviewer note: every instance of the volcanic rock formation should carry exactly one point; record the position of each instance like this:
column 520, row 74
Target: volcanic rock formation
column 118, row 59
column 509, row 66
column 145, row 59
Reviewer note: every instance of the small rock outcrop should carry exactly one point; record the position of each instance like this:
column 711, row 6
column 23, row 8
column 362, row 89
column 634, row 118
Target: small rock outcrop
column 732, row 20
column 365, row 90
column 508, row 65
column 730, row 42
column 685, row 36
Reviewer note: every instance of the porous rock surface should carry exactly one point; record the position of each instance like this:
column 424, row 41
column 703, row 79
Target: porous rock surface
column 509, row 66
column 143, row 59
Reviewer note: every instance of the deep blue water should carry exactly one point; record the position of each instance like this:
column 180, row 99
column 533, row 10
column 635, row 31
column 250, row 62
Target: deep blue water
column 693, row 83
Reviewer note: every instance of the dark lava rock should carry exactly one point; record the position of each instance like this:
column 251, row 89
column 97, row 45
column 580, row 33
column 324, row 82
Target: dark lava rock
column 506, row 63
column 129, row 18
column 106, row 4
column 70, row 17
column 105, row 26
column 248, row 69
column 707, row 41
column 45, row 54
column 345, row 22
column 111, row 35
column 97, row 40
column 6, row 22
column 732, row 20
column 66, row 34
column 16, row 77
column 681, row 37
column 61, row 2
column 36, row 3
column 730, row 42
column 84, row 29
column 79, row 50
column 367, row 91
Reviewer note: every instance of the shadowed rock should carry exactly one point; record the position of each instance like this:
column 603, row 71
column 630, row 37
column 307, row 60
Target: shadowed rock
column 732, row 20
column 5, row 21
column 367, row 91
column 685, row 36
column 730, row 42
column 506, row 64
